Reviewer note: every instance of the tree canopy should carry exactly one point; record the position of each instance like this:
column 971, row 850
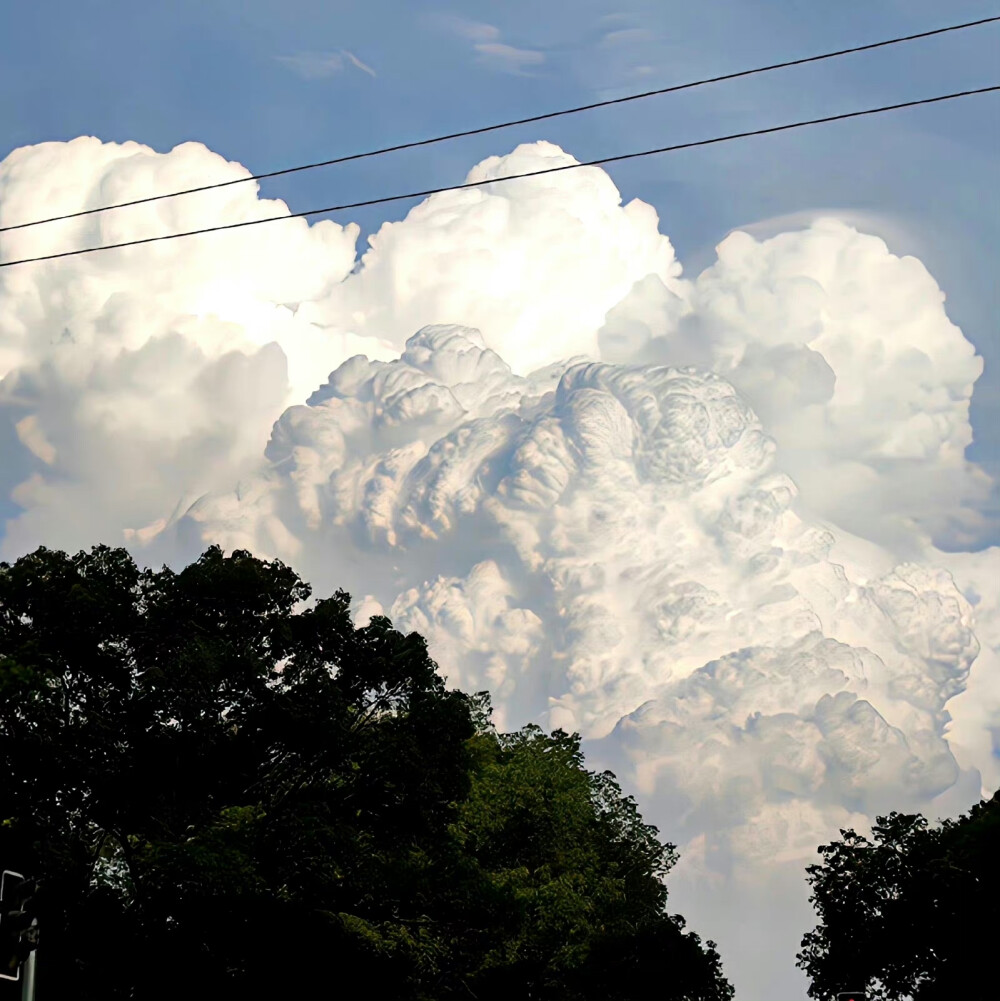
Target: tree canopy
column 912, row 912
column 226, row 792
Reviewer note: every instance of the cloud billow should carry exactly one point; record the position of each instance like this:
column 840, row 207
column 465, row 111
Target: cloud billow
column 846, row 352
column 694, row 519
column 617, row 538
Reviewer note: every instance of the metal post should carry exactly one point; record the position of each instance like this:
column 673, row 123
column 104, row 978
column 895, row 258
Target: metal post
column 28, row 978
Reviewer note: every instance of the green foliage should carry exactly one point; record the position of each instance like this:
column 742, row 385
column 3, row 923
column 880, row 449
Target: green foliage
column 912, row 913
column 229, row 795
column 564, row 898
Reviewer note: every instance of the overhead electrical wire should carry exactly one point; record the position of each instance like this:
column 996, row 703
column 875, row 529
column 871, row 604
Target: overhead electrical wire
column 512, row 177
column 514, row 122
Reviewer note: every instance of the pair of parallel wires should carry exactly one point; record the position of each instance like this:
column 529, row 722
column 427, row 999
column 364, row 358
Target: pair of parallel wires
column 506, row 125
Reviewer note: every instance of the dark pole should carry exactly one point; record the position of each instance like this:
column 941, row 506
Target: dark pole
column 28, row 978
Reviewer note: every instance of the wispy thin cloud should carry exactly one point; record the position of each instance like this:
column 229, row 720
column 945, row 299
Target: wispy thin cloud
column 626, row 36
column 487, row 44
column 474, row 31
column 612, row 20
column 322, row 65
column 619, row 50
column 357, row 63
column 507, row 57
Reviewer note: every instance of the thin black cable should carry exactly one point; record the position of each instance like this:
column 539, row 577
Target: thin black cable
column 512, row 177
column 506, row 125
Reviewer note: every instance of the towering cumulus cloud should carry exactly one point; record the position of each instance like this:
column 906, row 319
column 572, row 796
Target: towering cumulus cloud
column 534, row 264
column 847, row 355
column 139, row 374
column 156, row 371
column 693, row 520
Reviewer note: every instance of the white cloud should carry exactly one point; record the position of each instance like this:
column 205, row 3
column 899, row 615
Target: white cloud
column 131, row 377
column 474, row 31
column 974, row 731
column 847, row 354
column 648, row 546
column 114, row 362
column 486, row 43
column 535, row 264
column 357, row 63
column 626, row 36
column 322, row 65
column 507, row 57
column 614, row 497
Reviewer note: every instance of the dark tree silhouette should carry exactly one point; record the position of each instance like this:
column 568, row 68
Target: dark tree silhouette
column 912, row 913
column 228, row 794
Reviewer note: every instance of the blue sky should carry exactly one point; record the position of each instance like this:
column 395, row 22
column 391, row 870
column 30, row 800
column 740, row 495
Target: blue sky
column 272, row 84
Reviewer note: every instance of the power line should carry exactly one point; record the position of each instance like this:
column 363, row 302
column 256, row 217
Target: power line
column 512, row 177
column 506, row 125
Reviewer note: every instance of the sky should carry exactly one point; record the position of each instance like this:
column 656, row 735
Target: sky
column 764, row 589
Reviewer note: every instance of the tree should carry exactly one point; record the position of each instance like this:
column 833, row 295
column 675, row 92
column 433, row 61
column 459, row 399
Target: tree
column 225, row 791
column 911, row 913
column 569, row 900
